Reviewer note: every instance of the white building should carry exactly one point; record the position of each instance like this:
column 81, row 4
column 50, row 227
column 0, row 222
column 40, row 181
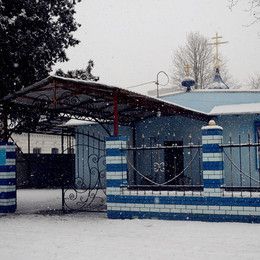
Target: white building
column 43, row 143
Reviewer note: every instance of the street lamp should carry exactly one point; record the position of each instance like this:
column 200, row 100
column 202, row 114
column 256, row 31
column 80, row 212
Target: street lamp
column 157, row 81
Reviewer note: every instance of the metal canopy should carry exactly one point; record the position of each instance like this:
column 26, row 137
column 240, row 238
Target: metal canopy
column 66, row 98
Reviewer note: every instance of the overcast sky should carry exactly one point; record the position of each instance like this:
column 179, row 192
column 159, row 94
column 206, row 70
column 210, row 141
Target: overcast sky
column 131, row 40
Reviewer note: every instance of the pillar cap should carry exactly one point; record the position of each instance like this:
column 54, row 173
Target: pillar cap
column 212, row 125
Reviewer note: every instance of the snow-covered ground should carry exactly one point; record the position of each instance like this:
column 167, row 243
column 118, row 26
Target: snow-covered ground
column 28, row 235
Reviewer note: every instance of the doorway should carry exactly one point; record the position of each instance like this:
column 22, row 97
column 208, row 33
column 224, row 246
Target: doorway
column 174, row 162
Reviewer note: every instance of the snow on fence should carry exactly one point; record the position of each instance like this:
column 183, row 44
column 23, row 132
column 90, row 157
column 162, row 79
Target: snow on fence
column 212, row 203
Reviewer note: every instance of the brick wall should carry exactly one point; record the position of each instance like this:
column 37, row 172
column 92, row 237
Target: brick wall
column 212, row 204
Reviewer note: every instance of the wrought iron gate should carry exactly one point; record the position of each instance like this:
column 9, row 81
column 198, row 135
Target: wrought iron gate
column 88, row 191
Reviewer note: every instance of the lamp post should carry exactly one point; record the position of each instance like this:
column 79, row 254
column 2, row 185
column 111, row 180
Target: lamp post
column 157, row 81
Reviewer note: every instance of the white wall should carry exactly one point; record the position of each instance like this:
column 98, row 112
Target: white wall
column 45, row 142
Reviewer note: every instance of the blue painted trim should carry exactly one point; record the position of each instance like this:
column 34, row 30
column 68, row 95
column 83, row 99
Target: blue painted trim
column 212, row 166
column 212, row 183
column 116, row 167
column 10, row 155
column 8, row 181
column 2, row 156
column 115, row 152
column 182, row 216
column 116, row 183
column 8, row 209
column 7, row 168
column 8, row 195
column 117, row 138
column 211, row 148
column 210, row 201
column 212, row 132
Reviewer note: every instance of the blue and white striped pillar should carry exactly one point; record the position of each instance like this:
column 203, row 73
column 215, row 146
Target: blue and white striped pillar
column 213, row 165
column 7, row 177
column 116, row 164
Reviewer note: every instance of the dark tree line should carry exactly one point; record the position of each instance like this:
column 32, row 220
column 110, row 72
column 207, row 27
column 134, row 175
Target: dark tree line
column 34, row 35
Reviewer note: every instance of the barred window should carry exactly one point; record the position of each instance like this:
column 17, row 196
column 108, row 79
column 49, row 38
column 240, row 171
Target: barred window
column 36, row 150
column 54, row 150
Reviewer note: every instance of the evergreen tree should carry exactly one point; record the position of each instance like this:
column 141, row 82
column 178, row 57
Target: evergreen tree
column 84, row 74
column 34, row 35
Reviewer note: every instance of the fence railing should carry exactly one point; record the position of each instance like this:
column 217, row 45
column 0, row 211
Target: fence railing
column 175, row 166
column 241, row 165
column 171, row 166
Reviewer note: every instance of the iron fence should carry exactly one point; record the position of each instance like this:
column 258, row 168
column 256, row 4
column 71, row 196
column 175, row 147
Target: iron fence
column 88, row 190
column 241, row 164
column 168, row 166
column 173, row 165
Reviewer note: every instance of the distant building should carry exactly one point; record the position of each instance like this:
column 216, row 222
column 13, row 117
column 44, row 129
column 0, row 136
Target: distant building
column 237, row 111
column 43, row 143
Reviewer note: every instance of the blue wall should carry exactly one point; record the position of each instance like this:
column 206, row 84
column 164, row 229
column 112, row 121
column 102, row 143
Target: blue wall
column 244, row 125
column 160, row 129
column 90, row 161
column 180, row 128
column 157, row 131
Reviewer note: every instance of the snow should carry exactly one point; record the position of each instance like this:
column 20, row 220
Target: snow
column 250, row 108
column 77, row 122
column 218, row 85
column 30, row 235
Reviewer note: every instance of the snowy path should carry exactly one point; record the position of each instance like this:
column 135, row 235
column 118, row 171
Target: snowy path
column 92, row 236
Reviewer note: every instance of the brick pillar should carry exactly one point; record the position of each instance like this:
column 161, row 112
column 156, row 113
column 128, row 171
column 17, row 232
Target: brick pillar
column 116, row 164
column 213, row 165
column 7, row 177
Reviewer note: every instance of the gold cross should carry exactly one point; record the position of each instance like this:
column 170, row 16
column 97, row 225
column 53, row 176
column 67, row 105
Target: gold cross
column 187, row 68
column 216, row 43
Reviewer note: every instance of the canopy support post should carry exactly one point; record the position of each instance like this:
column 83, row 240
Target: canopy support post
column 115, row 114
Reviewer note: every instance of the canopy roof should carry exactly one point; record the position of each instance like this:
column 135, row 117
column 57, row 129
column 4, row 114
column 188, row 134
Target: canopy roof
column 71, row 98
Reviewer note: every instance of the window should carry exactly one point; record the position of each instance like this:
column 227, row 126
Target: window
column 36, row 150
column 54, row 150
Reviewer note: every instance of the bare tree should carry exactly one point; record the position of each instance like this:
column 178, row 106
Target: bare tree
column 251, row 6
column 254, row 81
column 198, row 54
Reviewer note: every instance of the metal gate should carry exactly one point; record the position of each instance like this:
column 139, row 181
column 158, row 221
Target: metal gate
column 88, row 190
column 44, row 171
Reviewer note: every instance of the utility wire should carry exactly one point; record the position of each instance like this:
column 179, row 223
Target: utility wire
column 149, row 82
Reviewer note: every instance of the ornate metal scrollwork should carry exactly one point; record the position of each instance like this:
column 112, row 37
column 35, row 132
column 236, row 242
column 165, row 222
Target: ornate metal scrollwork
column 24, row 118
column 69, row 99
column 84, row 198
column 88, row 190
column 159, row 167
